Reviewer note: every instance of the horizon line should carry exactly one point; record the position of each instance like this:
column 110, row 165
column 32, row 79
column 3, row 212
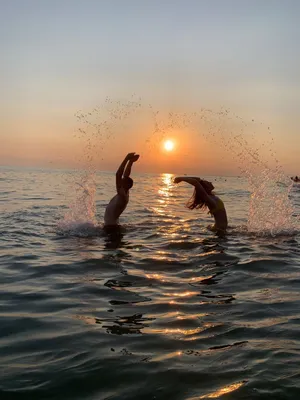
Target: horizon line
column 81, row 169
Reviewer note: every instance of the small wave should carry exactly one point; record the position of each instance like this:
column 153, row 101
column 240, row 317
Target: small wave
column 79, row 229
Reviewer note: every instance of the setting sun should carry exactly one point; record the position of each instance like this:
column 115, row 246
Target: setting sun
column 169, row 145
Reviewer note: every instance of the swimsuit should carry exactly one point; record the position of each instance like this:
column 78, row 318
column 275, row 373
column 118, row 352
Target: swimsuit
column 220, row 220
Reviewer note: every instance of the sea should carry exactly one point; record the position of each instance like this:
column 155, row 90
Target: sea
column 164, row 310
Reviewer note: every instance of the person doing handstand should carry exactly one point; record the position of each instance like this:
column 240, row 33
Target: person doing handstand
column 119, row 202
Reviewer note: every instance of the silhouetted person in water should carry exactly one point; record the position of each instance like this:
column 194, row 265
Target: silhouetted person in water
column 202, row 198
column 119, row 202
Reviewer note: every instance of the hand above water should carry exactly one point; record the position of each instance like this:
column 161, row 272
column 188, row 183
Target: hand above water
column 135, row 157
column 132, row 156
column 178, row 179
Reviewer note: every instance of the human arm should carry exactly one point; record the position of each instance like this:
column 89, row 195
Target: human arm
column 129, row 165
column 189, row 179
column 196, row 182
column 120, row 171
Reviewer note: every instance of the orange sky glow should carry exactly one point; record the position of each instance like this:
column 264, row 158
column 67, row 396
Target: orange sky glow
column 142, row 80
column 205, row 142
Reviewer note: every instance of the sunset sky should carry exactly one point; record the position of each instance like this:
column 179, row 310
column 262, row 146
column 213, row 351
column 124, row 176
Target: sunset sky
column 171, row 57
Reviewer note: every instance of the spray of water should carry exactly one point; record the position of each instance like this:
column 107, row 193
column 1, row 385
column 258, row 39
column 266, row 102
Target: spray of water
column 271, row 210
column 95, row 129
column 251, row 145
column 80, row 216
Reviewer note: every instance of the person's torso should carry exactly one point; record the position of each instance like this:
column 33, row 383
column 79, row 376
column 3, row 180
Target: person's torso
column 219, row 212
column 114, row 209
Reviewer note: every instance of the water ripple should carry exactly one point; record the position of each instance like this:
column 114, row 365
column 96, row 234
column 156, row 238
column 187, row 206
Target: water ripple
column 164, row 311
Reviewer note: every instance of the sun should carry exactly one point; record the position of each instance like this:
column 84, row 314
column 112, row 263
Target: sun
column 169, row 145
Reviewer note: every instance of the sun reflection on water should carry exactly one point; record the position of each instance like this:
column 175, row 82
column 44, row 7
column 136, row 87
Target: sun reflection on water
column 168, row 179
column 175, row 331
column 167, row 356
column 183, row 294
column 164, row 192
column 167, row 183
column 156, row 276
column 221, row 392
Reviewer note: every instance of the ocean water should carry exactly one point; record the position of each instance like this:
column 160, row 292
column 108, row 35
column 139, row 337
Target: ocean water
column 167, row 310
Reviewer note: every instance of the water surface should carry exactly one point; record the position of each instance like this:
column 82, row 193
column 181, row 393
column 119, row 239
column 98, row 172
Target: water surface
column 165, row 311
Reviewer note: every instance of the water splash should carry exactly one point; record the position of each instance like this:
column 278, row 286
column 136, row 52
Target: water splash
column 95, row 129
column 250, row 143
column 270, row 210
column 80, row 220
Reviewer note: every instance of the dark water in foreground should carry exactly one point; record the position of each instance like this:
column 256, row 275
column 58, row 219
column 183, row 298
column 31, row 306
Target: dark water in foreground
column 168, row 311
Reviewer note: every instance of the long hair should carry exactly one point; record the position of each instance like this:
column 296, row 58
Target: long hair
column 196, row 200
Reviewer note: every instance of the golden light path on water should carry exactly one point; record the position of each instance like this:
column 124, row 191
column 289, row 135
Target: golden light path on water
column 217, row 394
